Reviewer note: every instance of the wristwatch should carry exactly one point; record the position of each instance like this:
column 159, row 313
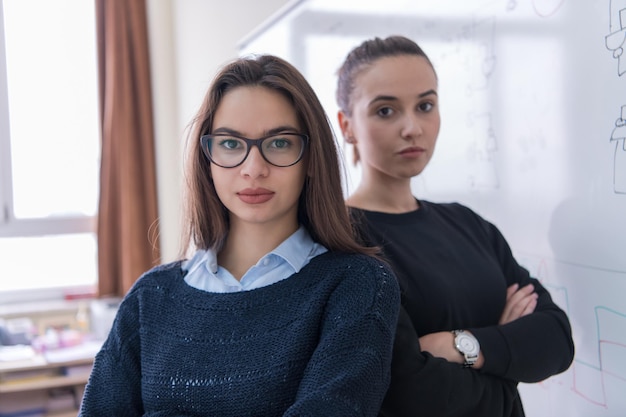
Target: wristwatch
column 467, row 345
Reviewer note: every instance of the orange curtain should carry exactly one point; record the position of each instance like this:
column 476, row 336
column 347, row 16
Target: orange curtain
column 127, row 219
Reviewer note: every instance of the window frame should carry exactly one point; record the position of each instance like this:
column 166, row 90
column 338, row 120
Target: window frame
column 6, row 188
column 10, row 226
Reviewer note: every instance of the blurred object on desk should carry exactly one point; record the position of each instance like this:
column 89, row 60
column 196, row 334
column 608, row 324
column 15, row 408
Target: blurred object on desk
column 85, row 350
column 16, row 331
column 103, row 313
column 18, row 356
column 16, row 353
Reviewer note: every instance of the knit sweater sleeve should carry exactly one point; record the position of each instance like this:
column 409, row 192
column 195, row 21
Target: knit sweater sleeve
column 533, row 347
column 117, row 367
column 349, row 372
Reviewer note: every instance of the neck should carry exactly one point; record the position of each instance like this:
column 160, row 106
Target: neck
column 389, row 197
column 247, row 243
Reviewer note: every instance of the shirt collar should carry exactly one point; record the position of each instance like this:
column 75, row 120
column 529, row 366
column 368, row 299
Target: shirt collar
column 294, row 250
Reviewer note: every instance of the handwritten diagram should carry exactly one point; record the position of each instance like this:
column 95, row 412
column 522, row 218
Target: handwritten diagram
column 615, row 41
column 617, row 37
column 471, row 59
column 619, row 166
column 599, row 379
column 547, row 8
column 481, row 152
column 598, row 375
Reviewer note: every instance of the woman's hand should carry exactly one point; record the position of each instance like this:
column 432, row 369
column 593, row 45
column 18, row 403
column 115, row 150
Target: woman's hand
column 519, row 302
column 441, row 345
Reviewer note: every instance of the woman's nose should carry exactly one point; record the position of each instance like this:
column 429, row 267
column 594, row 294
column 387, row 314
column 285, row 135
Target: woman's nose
column 255, row 165
column 411, row 126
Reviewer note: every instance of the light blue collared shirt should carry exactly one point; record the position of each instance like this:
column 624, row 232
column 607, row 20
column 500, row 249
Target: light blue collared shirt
column 289, row 257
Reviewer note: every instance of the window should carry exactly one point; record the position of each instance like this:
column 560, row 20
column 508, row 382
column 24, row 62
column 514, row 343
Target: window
column 49, row 147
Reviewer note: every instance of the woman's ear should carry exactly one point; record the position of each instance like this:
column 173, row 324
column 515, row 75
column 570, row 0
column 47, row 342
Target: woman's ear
column 344, row 125
column 346, row 130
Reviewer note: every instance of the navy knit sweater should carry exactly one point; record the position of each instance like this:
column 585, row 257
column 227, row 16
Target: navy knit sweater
column 316, row 344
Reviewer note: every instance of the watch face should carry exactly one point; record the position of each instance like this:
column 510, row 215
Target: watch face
column 467, row 344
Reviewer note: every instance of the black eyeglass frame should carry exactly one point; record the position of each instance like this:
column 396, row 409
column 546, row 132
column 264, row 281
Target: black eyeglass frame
column 204, row 144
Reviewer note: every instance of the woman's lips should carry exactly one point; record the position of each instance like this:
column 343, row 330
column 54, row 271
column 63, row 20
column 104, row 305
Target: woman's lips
column 255, row 196
column 412, row 152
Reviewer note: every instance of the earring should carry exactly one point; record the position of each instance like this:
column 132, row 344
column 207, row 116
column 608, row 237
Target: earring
column 350, row 139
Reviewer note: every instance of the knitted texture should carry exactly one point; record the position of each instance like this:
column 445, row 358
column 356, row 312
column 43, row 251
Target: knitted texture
column 316, row 344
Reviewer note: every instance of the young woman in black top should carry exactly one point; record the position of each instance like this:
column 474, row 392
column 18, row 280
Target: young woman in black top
column 473, row 323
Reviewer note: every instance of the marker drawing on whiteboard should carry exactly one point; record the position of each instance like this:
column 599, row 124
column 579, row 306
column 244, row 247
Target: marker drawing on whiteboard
column 617, row 37
column 619, row 162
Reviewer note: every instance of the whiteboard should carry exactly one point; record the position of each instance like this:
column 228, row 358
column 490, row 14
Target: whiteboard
column 533, row 106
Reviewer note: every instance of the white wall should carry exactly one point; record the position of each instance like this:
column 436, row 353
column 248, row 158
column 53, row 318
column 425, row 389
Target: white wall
column 190, row 40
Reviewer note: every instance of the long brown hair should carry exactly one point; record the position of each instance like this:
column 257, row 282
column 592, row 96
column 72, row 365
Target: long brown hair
column 321, row 207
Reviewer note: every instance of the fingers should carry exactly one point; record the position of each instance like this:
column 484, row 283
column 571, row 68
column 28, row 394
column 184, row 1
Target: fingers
column 530, row 307
column 519, row 302
column 511, row 290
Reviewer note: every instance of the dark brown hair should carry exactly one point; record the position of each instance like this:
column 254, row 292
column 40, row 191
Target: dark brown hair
column 321, row 206
column 363, row 56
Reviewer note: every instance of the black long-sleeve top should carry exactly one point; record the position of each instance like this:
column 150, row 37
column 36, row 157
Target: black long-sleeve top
column 454, row 268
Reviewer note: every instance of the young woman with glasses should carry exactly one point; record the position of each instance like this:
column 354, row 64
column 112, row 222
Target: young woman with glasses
column 278, row 312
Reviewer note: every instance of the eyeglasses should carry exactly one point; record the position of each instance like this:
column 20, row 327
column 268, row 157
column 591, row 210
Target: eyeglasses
column 229, row 151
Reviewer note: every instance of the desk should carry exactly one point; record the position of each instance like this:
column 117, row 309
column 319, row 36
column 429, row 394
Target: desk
column 37, row 380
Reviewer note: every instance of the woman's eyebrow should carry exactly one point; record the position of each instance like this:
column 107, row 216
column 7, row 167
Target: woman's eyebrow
column 281, row 129
column 270, row 132
column 427, row 93
column 393, row 98
column 226, row 130
column 383, row 98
